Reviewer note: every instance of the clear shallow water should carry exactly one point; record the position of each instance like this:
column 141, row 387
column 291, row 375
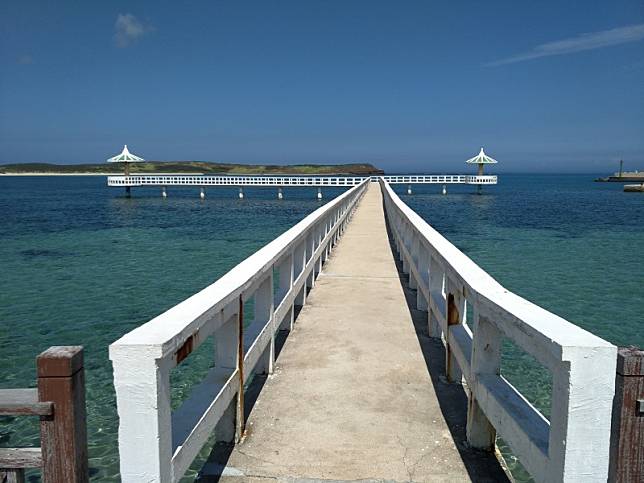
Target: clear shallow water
column 563, row 242
column 80, row 264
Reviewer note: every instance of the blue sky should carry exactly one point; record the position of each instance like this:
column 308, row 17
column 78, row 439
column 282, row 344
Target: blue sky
column 409, row 86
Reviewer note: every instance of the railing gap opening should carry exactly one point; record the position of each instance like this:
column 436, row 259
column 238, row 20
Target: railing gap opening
column 527, row 375
column 191, row 371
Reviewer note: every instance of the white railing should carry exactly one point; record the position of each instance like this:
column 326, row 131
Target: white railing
column 426, row 179
column 440, row 179
column 157, row 444
column 574, row 445
column 482, row 179
column 206, row 180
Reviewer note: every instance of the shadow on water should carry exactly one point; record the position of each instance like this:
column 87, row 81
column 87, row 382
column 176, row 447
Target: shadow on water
column 481, row 466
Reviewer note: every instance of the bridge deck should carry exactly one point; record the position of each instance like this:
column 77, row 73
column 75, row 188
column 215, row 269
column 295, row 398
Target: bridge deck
column 352, row 396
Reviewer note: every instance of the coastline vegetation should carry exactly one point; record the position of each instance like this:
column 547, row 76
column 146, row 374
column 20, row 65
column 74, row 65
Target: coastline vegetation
column 192, row 167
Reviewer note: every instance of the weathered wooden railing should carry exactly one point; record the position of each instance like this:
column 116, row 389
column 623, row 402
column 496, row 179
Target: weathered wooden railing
column 574, row 444
column 156, row 444
column 627, row 438
column 59, row 400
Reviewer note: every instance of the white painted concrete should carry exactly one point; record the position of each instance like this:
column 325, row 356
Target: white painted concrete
column 351, row 399
column 156, row 445
column 574, row 445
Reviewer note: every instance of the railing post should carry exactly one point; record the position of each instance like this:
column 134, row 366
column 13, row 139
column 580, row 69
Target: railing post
column 63, row 436
column 627, row 429
column 310, row 250
column 486, row 360
column 583, row 387
column 264, row 309
column 286, row 269
column 299, row 263
column 413, row 283
column 436, row 276
column 423, row 263
column 405, row 242
column 415, row 247
column 399, row 234
column 422, row 302
column 323, row 254
column 317, row 266
column 227, row 347
column 142, row 386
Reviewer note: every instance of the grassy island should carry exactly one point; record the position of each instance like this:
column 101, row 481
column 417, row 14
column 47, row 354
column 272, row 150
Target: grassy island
column 190, row 167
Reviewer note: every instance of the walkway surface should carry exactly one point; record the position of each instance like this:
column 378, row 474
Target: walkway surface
column 352, row 398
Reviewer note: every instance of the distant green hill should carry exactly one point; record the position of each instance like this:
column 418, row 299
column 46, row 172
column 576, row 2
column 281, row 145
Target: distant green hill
column 190, row 167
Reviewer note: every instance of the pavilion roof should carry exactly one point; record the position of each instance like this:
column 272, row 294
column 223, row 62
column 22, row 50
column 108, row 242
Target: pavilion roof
column 481, row 158
column 125, row 157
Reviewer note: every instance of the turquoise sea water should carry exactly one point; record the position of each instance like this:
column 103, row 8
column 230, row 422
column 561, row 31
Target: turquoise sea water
column 81, row 264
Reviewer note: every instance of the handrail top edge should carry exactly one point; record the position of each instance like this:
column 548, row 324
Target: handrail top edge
column 558, row 330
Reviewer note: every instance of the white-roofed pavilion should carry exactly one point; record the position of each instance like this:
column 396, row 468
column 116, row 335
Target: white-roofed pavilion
column 125, row 157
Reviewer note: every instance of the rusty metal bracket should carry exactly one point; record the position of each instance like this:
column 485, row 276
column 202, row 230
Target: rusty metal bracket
column 185, row 350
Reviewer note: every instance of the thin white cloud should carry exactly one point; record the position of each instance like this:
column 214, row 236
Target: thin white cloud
column 25, row 60
column 587, row 41
column 129, row 29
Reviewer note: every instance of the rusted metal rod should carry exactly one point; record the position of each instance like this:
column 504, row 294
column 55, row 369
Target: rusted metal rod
column 240, row 367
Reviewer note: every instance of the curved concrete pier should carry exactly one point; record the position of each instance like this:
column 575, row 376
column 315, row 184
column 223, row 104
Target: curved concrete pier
column 352, row 397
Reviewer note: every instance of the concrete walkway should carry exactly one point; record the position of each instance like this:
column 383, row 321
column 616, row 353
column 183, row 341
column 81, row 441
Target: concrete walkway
column 352, row 398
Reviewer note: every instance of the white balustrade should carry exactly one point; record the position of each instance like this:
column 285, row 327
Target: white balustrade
column 280, row 181
column 574, row 445
column 159, row 445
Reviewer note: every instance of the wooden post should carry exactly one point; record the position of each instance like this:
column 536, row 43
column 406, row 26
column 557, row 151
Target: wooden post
column 63, row 436
column 627, row 429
